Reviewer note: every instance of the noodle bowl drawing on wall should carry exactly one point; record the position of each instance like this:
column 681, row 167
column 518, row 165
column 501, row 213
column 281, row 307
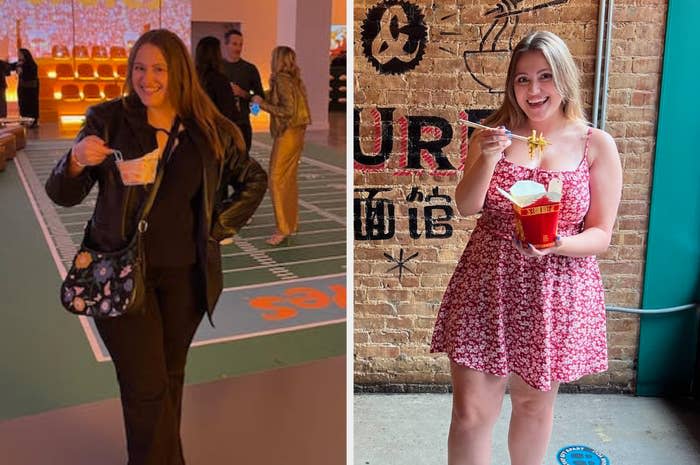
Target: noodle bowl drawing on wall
column 496, row 45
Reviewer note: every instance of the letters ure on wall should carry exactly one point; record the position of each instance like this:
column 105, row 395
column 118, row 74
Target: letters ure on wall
column 421, row 139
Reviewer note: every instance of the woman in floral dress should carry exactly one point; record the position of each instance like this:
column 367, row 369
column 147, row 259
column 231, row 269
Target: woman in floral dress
column 513, row 314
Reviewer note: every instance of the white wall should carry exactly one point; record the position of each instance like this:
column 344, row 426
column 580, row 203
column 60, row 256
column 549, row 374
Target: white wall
column 310, row 38
column 258, row 23
column 301, row 24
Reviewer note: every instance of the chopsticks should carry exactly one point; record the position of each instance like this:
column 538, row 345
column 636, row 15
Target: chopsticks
column 534, row 142
column 481, row 126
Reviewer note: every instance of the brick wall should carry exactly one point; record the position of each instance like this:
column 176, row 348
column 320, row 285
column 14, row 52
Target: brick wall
column 393, row 317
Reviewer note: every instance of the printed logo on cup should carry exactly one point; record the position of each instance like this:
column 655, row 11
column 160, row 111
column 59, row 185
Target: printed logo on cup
column 581, row 455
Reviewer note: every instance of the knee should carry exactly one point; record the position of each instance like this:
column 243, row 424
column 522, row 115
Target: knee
column 532, row 407
column 471, row 414
column 144, row 392
column 143, row 387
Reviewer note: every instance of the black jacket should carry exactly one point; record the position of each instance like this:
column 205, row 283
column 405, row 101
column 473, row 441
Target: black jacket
column 219, row 91
column 114, row 219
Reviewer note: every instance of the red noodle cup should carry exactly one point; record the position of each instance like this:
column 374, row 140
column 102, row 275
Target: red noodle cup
column 537, row 223
column 536, row 211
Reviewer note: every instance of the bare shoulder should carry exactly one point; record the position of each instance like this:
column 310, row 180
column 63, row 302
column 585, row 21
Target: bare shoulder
column 602, row 148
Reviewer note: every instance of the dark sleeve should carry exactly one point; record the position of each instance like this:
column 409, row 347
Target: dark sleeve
column 222, row 95
column 249, row 183
column 257, row 83
column 68, row 191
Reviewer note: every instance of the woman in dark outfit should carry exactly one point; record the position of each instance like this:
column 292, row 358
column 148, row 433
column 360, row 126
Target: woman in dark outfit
column 27, row 85
column 183, row 260
column 209, row 64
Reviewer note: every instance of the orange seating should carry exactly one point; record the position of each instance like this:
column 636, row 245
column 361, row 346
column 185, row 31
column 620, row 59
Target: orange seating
column 80, row 52
column 60, row 52
column 105, row 71
column 121, row 70
column 99, row 52
column 91, row 92
column 70, row 93
column 85, row 71
column 64, row 71
column 19, row 132
column 112, row 91
column 8, row 148
column 117, row 53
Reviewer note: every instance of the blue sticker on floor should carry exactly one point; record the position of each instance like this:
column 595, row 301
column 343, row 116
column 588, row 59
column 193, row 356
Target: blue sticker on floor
column 581, row 455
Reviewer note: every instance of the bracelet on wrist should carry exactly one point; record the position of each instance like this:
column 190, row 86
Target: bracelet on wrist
column 75, row 160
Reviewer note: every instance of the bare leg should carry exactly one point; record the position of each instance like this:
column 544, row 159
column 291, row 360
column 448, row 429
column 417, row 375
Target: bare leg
column 476, row 403
column 530, row 422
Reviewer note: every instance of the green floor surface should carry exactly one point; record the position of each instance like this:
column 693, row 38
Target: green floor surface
column 45, row 360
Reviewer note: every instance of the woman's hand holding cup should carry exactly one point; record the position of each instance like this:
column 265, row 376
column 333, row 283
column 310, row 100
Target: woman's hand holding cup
column 90, row 151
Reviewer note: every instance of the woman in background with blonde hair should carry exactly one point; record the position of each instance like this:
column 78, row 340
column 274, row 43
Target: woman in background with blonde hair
column 289, row 110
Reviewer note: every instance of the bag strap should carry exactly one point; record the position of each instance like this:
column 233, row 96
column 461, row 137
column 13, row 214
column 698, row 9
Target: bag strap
column 142, row 224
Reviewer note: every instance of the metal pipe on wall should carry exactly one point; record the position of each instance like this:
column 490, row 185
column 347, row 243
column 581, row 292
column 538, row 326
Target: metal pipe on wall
column 598, row 61
column 606, row 76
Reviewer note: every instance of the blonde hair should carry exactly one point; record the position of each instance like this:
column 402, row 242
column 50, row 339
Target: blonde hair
column 184, row 90
column 565, row 73
column 284, row 60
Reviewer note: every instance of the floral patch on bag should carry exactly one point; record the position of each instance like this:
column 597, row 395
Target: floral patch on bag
column 103, row 284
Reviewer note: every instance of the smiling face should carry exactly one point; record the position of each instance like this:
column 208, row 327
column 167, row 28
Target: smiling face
column 149, row 77
column 534, row 87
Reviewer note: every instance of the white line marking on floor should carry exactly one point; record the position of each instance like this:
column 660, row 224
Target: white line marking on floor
column 21, row 159
column 299, row 262
column 289, row 247
column 307, row 159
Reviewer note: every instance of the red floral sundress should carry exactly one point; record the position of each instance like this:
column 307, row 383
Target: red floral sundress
column 541, row 318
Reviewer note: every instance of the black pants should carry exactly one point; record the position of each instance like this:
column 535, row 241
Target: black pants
column 3, row 103
column 149, row 353
column 28, row 102
column 247, row 131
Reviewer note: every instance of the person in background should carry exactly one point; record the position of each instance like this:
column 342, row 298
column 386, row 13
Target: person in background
column 512, row 313
column 209, row 64
column 27, row 85
column 163, row 100
column 5, row 68
column 289, row 110
column 245, row 81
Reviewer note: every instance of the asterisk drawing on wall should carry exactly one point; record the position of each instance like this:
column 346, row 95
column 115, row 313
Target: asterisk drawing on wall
column 400, row 263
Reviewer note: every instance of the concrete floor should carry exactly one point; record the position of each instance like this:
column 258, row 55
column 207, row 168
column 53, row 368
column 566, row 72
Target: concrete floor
column 411, row 429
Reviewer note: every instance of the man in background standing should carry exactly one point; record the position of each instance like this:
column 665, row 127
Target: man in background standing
column 245, row 81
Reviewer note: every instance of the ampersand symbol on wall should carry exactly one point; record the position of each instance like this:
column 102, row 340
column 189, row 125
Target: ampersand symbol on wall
column 394, row 36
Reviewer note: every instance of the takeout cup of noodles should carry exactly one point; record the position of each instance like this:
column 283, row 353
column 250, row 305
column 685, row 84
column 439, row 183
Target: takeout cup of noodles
column 536, row 211
column 147, row 166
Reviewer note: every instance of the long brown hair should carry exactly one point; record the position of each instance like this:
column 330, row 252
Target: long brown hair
column 565, row 74
column 184, row 90
column 208, row 55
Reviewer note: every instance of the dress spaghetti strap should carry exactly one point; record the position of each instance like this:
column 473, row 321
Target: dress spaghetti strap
column 588, row 144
